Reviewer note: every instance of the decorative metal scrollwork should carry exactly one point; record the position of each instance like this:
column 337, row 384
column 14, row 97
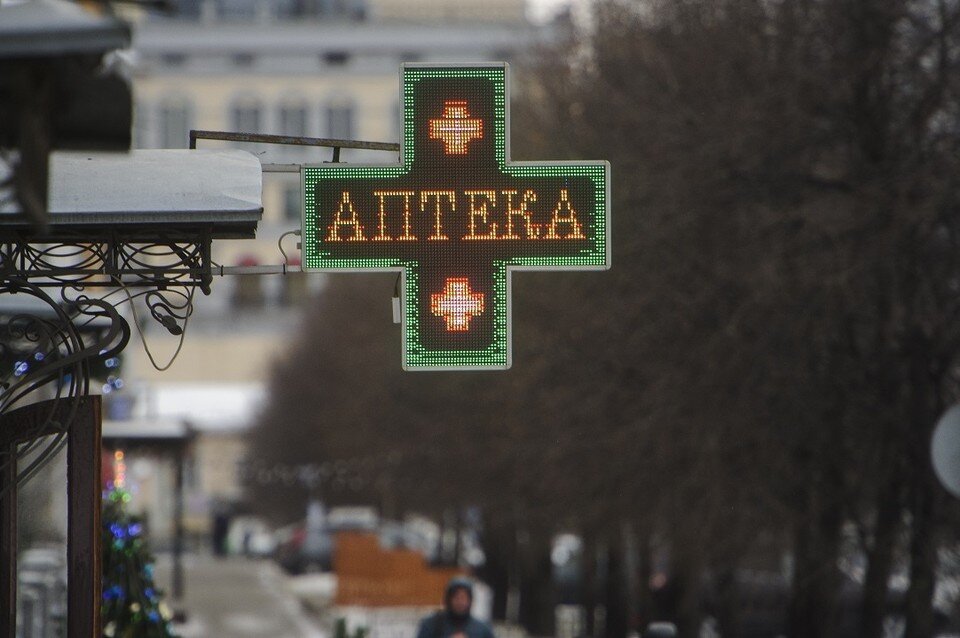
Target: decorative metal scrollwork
column 171, row 308
column 180, row 259
column 47, row 353
column 165, row 272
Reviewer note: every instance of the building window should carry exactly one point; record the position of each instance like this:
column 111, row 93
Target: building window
column 340, row 120
column 191, row 478
column 350, row 9
column 188, row 8
column 396, row 121
column 141, row 134
column 237, row 9
column 336, row 58
column 293, row 290
column 173, row 59
column 245, row 115
column 242, row 59
column 287, row 9
column 292, row 202
column 293, row 119
column 248, row 289
column 174, row 123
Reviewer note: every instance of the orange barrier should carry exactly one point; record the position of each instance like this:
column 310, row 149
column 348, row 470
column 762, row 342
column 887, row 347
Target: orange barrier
column 370, row 576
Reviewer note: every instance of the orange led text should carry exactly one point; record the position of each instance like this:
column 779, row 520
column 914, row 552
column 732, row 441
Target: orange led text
column 444, row 215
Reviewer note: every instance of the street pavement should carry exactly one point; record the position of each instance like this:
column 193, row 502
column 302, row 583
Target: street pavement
column 235, row 598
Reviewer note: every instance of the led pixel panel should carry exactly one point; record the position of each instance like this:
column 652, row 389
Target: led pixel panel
column 456, row 217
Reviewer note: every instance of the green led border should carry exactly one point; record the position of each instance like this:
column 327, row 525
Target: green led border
column 498, row 355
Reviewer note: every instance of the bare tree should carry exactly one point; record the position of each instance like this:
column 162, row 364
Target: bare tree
column 788, row 174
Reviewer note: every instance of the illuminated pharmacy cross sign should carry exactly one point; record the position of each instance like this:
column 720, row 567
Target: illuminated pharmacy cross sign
column 456, row 217
column 454, row 128
column 456, row 304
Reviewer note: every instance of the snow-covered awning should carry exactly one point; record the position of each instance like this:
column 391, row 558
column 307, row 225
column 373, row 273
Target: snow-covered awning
column 143, row 193
column 146, row 429
column 48, row 28
column 207, row 407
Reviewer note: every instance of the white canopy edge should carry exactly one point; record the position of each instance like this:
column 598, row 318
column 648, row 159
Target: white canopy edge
column 208, row 406
column 146, row 429
column 153, row 186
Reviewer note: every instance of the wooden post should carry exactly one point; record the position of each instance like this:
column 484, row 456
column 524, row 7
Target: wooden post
column 83, row 510
column 84, row 586
column 8, row 542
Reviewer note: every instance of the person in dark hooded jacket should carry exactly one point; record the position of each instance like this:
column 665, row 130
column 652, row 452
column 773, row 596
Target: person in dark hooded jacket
column 455, row 621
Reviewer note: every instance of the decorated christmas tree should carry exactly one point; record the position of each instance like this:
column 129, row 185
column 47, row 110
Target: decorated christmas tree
column 132, row 606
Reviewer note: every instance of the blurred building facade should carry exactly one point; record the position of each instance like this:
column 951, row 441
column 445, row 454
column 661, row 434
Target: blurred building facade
column 319, row 68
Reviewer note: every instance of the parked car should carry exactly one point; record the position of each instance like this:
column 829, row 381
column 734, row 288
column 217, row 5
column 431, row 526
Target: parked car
column 250, row 536
column 296, row 556
column 308, row 546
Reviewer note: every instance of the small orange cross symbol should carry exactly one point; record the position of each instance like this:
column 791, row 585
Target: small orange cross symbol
column 457, row 304
column 455, row 128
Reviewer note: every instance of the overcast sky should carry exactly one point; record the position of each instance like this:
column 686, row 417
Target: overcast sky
column 543, row 10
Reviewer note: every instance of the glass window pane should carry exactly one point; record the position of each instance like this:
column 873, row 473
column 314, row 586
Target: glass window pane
column 340, row 121
column 292, row 202
column 245, row 117
column 174, row 124
column 141, row 134
column 293, row 120
column 396, row 124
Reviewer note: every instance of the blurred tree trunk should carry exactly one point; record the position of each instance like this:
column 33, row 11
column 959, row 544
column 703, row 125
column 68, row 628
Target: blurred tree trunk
column 536, row 590
column 600, row 571
column 589, row 587
column 631, row 575
column 923, row 562
column 689, row 616
column 498, row 544
column 812, row 607
column 615, row 591
column 924, row 491
column 456, row 520
column 645, row 606
column 880, row 553
column 928, row 372
column 728, row 603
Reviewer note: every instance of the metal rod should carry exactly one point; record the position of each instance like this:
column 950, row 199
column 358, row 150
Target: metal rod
column 205, row 278
column 178, row 526
column 214, row 271
column 279, row 269
column 294, row 140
